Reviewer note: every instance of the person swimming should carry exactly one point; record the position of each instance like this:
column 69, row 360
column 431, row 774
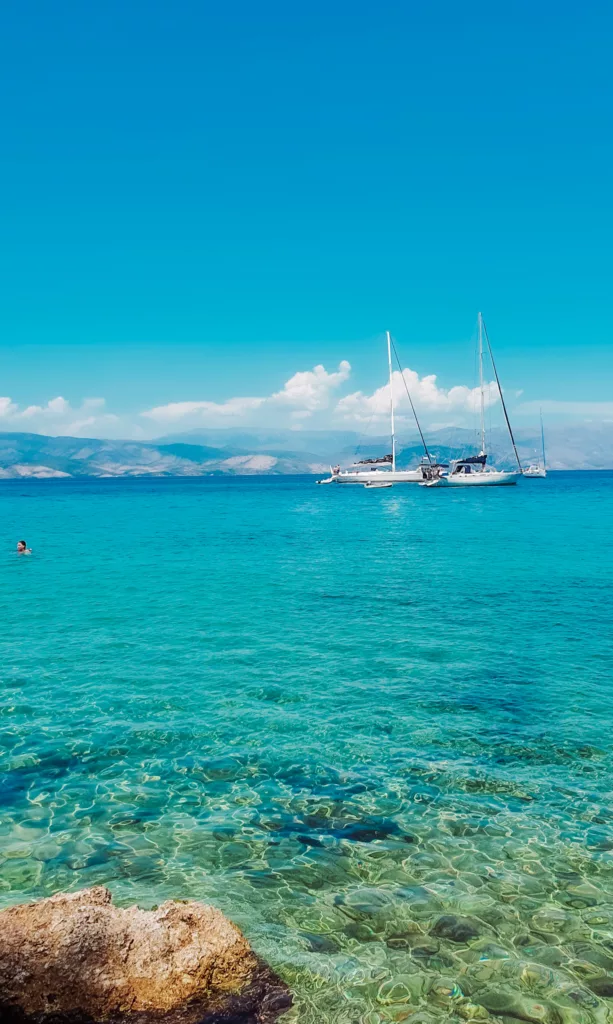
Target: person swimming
column 22, row 548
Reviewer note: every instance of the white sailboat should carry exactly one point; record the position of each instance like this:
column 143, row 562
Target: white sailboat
column 473, row 471
column 383, row 471
column 536, row 470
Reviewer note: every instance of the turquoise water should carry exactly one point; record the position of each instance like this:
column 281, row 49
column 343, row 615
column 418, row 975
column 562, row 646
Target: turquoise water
column 374, row 728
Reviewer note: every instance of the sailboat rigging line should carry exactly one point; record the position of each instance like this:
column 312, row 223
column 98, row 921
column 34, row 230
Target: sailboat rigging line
column 543, row 439
column 504, row 408
column 423, row 440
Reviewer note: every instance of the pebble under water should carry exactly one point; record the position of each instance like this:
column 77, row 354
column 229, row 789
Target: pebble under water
column 373, row 727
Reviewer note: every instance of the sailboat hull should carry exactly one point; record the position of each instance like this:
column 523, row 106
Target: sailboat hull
column 391, row 476
column 490, row 478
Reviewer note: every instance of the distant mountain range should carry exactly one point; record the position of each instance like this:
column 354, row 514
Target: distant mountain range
column 238, row 452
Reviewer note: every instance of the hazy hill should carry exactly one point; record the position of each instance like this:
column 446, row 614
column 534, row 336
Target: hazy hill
column 326, row 443
column 36, row 455
column 240, row 452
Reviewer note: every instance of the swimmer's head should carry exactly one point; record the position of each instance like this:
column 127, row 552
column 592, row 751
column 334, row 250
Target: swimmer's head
column 21, row 545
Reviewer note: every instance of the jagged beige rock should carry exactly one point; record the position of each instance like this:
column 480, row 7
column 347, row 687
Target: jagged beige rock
column 77, row 954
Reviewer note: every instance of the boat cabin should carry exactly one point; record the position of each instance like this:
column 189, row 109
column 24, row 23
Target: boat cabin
column 474, row 464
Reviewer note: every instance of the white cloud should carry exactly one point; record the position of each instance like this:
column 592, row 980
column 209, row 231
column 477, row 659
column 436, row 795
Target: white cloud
column 307, row 392
column 311, row 395
column 427, row 397
column 203, row 411
column 58, row 417
column 7, row 408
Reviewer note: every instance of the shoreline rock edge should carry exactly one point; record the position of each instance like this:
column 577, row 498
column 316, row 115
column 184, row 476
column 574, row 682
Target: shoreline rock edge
column 74, row 958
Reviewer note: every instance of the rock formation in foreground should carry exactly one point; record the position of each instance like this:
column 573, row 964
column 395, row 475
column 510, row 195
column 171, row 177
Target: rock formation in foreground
column 76, row 958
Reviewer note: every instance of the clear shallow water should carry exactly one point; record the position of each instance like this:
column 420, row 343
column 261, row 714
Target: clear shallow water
column 372, row 727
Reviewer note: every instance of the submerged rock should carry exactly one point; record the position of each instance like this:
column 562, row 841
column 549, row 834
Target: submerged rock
column 509, row 1004
column 456, row 929
column 602, row 987
column 76, row 958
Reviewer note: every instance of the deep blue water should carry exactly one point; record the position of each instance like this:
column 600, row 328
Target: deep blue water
column 372, row 726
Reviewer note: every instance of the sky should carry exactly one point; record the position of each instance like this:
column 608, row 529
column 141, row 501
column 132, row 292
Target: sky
column 212, row 213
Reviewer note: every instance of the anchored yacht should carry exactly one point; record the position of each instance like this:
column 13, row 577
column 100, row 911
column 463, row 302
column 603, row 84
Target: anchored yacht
column 383, row 470
column 474, row 471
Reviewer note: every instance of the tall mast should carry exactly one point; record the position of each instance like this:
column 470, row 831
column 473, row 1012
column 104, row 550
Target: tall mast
column 480, row 318
column 543, row 439
column 389, row 363
column 504, row 407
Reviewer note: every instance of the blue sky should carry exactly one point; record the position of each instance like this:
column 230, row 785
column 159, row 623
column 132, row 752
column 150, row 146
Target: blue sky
column 201, row 201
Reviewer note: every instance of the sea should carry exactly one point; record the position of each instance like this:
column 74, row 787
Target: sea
column 373, row 727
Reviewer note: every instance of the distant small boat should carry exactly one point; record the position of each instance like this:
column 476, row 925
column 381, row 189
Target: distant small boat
column 376, row 483
column 537, row 471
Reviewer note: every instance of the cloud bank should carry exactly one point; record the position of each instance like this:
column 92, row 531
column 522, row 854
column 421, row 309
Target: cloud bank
column 306, row 393
column 310, row 398
column 425, row 393
column 311, row 395
column 59, row 418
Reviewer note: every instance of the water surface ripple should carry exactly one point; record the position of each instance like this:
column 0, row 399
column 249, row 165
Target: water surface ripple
column 372, row 727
